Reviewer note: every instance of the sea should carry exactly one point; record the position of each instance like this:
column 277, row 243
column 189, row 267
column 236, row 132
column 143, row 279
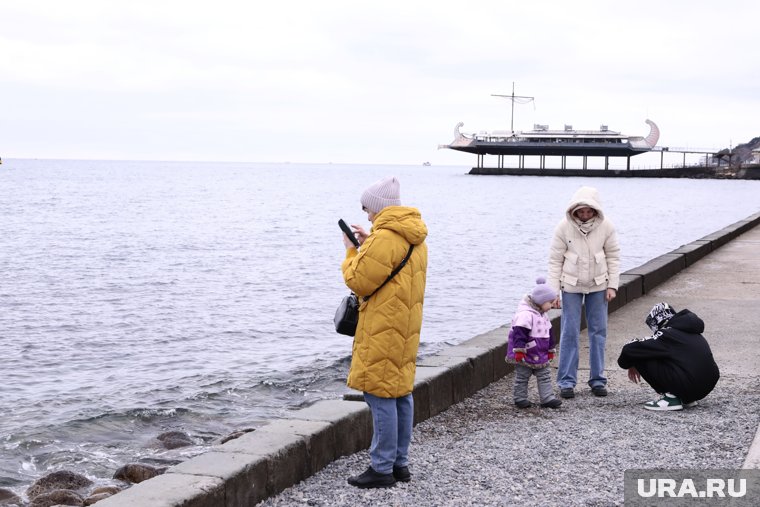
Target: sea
column 143, row 297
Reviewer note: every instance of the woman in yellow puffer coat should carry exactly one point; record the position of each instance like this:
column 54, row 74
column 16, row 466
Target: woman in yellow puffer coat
column 387, row 336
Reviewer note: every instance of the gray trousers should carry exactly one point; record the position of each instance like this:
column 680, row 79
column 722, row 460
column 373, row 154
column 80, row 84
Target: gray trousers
column 543, row 379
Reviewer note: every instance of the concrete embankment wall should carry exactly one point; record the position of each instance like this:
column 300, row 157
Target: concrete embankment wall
column 244, row 471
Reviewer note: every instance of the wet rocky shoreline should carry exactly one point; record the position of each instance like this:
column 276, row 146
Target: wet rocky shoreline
column 66, row 487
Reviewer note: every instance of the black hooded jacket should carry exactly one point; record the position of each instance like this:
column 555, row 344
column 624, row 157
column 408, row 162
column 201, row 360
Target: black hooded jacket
column 676, row 359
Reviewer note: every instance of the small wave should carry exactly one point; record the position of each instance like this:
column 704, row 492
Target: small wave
column 149, row 414
column 293, row 389
column 142, row 413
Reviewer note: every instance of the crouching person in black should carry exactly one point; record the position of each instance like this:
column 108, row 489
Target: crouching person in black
column 676, row 360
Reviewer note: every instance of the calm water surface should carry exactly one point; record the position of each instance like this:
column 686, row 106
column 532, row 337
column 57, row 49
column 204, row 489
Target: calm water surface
column 141, row 297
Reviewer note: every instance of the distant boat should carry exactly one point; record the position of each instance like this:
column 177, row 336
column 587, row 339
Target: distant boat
column 542, row 141
column 426, row 163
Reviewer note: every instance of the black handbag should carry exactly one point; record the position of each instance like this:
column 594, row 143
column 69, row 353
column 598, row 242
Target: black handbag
column 347, row 314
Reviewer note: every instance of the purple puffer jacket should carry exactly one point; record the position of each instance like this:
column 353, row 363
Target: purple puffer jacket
column 531, row 334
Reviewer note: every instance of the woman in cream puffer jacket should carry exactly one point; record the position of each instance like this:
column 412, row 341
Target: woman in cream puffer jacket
column 584, row 264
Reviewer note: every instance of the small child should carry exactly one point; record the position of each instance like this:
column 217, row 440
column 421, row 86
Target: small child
column 531, row 345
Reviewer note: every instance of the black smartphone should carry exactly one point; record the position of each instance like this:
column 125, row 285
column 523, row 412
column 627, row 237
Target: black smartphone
column 348, row 232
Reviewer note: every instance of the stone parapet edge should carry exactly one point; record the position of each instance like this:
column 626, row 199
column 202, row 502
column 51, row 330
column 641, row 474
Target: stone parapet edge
column 262, row 463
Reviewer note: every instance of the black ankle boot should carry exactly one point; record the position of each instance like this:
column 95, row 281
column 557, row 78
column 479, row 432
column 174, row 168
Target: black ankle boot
column 401, row 474
column 372, row 479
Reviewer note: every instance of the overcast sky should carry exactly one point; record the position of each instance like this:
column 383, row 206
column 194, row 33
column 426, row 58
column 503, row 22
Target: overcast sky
column 365, row 82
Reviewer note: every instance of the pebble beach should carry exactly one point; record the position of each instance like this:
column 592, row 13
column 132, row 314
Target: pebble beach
column 485, row 451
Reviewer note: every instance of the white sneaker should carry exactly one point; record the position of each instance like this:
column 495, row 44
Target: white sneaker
column 666, row 402
column 690, row 404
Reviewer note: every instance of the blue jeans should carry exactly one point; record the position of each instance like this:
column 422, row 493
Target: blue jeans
column 596, row 320
column 392, row 420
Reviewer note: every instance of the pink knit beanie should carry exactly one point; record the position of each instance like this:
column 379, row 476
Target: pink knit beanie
column 381, row 194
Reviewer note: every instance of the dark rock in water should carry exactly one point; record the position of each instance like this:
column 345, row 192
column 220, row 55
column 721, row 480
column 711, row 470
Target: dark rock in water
column 137, row 472
column 111, row 490
column 176, row 443
column 101, row 493
column 62, row 479
column 96, row 498
column 57, row 497
column 175, row 439
column 173, row 434
column 8, row 497
column 236, row 434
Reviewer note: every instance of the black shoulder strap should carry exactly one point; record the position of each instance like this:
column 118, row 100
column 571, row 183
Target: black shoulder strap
column 394, row 272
